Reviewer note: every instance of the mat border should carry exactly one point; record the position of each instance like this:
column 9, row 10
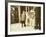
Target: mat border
column 6, row 18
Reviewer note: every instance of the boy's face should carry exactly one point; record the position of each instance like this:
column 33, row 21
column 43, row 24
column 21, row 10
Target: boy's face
column 24, row 12
column 32, row 13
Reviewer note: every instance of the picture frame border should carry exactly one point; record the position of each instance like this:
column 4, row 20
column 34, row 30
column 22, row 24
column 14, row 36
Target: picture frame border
column 6, row 18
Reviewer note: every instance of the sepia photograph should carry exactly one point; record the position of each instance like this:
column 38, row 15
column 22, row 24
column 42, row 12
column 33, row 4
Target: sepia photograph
column 24, row 18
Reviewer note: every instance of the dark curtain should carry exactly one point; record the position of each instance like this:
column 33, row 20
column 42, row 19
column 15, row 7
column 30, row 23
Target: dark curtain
column 38, row 18
column 15, row 18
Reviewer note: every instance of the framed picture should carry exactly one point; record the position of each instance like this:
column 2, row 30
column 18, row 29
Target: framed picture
column 25, row 18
